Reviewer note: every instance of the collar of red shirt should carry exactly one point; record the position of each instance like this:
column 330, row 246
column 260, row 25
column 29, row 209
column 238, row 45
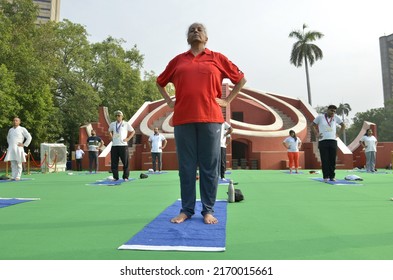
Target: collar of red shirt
column 206, row 51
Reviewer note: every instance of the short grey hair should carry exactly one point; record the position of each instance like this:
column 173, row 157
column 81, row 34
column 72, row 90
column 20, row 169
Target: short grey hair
column 197, row 23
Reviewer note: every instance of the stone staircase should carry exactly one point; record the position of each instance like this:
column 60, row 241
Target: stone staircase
column 158, row 123
column 287, row 121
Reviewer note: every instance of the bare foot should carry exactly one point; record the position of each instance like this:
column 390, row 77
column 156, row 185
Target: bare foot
column 179, row 218
column 210, row 219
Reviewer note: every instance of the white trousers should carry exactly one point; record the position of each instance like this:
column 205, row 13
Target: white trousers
column 16, row 168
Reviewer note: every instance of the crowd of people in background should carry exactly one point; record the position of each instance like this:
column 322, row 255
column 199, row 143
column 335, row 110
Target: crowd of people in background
column 324, row 127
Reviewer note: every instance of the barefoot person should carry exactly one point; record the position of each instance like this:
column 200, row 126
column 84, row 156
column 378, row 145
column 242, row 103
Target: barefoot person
column 197, row 76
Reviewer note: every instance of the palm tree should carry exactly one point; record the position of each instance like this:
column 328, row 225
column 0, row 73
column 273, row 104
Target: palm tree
column 343, row 110
column 304, row 50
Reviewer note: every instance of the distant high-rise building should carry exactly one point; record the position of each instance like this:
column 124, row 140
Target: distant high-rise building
column 386, row 47
column 49, row 10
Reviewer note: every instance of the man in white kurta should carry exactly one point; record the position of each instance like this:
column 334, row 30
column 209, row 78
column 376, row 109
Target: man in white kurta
column 18, row 137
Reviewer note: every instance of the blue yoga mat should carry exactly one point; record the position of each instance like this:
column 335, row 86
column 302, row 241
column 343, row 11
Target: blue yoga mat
column 191, row 235
column 85, row 173
column 110, row 182
column 338, row 182
column 14, row 181
column 293, row 172
column 375, row 172
column 5, row 202
column 156, row 173
column 224, row 182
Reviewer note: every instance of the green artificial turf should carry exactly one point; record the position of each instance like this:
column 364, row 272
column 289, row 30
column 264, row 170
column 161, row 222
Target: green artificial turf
column 283, row 217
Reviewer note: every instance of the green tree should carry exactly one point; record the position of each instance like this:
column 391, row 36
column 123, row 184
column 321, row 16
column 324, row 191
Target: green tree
column 386, row 127
column 76, row 99
column 21, row 55
column 116, row 76
column 343, row 110
column 304, row 50
column 54, row 79
column 382, row 117
column 8, row 105
column 150, row 90
column 321, row 109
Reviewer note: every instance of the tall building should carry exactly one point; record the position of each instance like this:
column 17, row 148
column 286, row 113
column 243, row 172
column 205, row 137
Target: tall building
column 49, row 10
column 386, row 47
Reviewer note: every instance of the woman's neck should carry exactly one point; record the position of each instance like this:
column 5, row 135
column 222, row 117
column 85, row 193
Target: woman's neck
column 197, row 49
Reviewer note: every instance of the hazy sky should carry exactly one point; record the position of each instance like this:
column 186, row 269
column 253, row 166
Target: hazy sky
column 254, row 35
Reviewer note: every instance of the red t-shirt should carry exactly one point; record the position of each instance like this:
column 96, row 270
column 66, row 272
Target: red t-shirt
column 198, row 81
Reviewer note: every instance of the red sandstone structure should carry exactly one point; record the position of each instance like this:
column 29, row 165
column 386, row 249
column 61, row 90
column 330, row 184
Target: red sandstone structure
column 260, row 120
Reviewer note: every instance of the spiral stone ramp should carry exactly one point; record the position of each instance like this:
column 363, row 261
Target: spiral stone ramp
column 261, row 121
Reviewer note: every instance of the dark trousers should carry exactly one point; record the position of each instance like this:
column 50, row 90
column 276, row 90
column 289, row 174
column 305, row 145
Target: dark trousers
column 328, row 152
column 93, row 161
column 198, row 145
column 79, row 164
column 122, row 153
column 156, row 157
column 223, row 167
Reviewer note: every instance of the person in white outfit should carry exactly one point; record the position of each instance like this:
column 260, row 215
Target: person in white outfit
column 226, row 130
column 157, row 143
column 121, row 132
column 325, row 129
column 18, row 137
column 78, row 157
column 369, row 143
column 292, row 143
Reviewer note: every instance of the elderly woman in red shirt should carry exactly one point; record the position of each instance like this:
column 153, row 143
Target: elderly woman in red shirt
column 197, row 76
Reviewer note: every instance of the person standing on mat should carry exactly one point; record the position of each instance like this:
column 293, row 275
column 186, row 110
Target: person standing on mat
column 325, row 129
column 369, row 143
column 226, row 130
column 78, row 158
column 121, row 132
column 18, row 137
column 157, row 143
column 94, row 144
column 292, row 143
column 197, row 75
